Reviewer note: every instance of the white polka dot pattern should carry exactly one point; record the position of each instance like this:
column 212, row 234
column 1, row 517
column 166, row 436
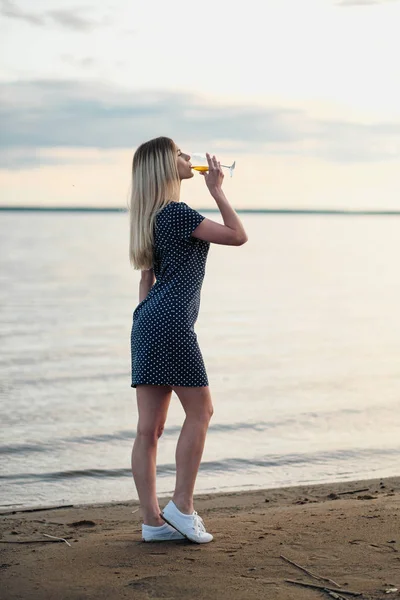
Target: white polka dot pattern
column 164, row 346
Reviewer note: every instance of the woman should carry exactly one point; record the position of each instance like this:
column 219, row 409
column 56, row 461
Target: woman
column 169, row 242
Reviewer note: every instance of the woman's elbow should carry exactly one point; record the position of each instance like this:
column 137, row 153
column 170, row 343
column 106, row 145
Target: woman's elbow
column 241, row 239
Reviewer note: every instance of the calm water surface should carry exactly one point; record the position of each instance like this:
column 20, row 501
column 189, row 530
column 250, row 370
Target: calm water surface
column 300, row 332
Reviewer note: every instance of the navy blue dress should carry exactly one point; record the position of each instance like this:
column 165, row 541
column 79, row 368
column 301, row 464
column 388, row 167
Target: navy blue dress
column 164, row 346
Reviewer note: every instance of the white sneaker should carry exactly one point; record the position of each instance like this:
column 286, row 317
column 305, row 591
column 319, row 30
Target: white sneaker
column 191, row 526
column 163, row 533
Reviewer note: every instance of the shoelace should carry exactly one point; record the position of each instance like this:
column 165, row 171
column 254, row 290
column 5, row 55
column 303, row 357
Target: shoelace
column 198, row 524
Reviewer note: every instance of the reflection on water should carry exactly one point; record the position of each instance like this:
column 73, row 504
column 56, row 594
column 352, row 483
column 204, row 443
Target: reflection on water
column 300, row 332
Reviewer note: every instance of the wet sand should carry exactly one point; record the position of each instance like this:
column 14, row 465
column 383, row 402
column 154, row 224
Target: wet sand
column 348, row 533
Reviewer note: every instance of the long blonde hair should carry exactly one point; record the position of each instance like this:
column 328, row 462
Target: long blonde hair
column 155, row 183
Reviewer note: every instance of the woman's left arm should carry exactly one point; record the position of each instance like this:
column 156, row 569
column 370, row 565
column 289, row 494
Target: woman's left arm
column 147, row 280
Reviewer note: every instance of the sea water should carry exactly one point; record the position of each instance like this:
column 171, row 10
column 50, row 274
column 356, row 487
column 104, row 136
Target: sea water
column 300, row 333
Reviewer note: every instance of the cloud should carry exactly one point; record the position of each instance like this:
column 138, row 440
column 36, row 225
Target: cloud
column 69, row 114
column 8, row 9
column 70, row 20
column 64, row 18
column 363, row 2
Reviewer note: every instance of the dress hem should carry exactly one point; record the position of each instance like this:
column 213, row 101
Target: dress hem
column 134, row 385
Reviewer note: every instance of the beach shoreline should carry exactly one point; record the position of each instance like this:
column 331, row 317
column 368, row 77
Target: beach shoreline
column 347, row 532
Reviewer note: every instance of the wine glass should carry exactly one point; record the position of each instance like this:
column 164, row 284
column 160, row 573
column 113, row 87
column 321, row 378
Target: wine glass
column 200, row 163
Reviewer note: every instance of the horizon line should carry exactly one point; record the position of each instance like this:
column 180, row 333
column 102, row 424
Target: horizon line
column 283, row 211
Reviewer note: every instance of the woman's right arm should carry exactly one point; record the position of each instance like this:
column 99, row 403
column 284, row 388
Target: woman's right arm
column 232, row 232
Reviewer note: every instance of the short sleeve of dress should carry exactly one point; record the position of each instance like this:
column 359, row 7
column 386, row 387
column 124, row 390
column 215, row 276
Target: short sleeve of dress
column 185, row 220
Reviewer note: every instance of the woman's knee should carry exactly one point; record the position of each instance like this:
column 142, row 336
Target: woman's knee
column 150, row 432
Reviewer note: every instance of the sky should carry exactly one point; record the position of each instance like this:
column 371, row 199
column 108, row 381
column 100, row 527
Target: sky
column 304, row 95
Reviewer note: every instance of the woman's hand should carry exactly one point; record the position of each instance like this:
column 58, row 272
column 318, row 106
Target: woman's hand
column 214, row 177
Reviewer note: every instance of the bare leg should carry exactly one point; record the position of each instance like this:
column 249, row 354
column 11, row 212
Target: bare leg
column 153, row 402
column 197, row 404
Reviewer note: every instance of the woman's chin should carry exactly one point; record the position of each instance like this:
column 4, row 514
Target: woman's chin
column 188, row 176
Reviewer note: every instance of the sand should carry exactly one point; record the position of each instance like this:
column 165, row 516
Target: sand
column 351, row 537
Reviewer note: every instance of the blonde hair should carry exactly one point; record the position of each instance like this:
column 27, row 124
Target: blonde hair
column 155, row 183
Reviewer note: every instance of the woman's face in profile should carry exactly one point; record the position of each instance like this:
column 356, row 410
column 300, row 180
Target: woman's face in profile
column 184, row 165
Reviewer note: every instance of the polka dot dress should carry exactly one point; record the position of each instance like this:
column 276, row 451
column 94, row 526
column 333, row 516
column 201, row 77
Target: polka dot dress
column 164, row 346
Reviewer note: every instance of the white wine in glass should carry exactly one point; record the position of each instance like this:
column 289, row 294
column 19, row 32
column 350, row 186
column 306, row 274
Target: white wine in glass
column 200, row 164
